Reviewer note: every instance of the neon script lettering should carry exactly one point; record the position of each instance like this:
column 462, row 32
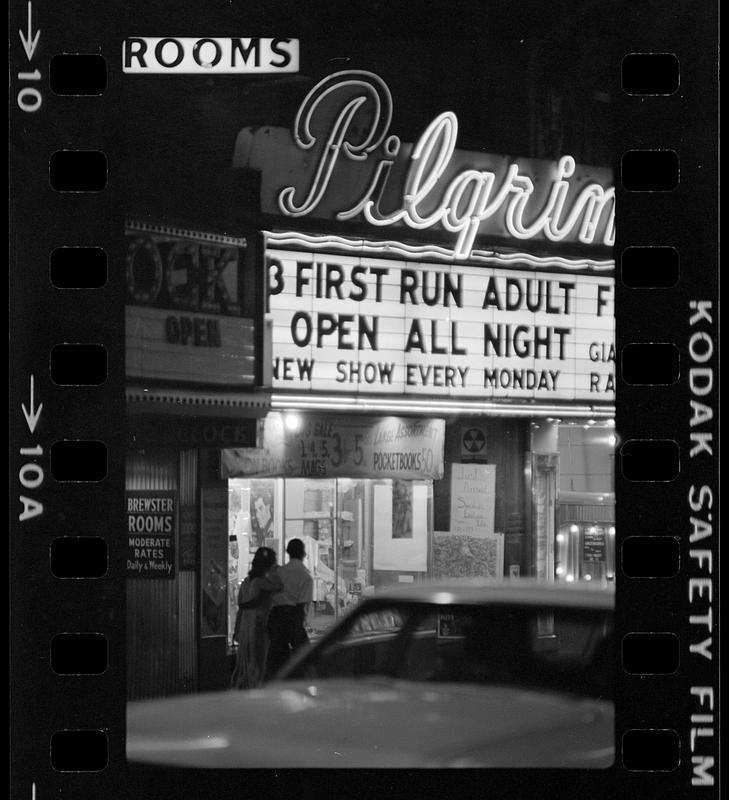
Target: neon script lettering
column 460, row 207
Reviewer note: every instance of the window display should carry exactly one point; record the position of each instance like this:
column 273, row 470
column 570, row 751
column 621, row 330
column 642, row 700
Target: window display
column 585, row 541
column 251, row 518
column 261, row 514
column 344, row 524
column 328, row 516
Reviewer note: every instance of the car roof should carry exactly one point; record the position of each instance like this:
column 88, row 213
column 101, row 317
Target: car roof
column 520, row 591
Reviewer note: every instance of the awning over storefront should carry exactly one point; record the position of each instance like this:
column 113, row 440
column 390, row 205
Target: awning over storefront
column 193, row 418
column 193, row 402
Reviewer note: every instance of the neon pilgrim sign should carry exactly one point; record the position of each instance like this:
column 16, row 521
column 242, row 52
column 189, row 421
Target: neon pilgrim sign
column 471, row 197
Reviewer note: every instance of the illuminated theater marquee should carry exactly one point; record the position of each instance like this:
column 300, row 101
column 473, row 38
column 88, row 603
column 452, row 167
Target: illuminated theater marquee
column 354, row 168
column 352, row 324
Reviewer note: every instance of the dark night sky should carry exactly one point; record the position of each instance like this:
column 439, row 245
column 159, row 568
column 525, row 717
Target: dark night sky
column 473, row 58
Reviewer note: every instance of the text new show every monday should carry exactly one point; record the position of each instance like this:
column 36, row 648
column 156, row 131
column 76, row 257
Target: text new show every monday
column 481, row 324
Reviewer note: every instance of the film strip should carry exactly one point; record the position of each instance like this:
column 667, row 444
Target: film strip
column 71, row 194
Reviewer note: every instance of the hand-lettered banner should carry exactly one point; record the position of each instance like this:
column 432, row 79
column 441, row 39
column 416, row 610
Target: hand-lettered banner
column 473, row 499
column 329, row 446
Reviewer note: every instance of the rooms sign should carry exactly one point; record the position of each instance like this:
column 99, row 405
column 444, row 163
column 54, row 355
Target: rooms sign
column 359, row 324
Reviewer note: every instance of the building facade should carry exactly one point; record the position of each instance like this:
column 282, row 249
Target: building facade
column 437, row 321
column 191, row 371
column 400, row 352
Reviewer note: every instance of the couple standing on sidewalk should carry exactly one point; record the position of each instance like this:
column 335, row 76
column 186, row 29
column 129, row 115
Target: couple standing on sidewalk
column 270, row 624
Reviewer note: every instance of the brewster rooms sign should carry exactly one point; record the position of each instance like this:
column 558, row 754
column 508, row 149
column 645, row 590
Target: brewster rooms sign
column 351, row 323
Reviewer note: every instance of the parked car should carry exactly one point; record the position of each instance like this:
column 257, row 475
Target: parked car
column 506, row 674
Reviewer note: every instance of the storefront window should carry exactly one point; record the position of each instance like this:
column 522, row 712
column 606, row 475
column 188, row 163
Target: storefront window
column 328, row 516
column 358, row 533
column 252, row 523
column 586, row 552
column 585, row 540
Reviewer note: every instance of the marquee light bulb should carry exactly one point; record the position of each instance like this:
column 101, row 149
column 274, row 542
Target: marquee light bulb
column 292, row 422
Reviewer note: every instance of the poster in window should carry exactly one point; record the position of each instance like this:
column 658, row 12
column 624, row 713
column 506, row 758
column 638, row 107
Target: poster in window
column 471, row 548
column 392, row 550
column 261, row 513
column 461, row 556
column 473, row 497
column 402, row 510
column 594, row 545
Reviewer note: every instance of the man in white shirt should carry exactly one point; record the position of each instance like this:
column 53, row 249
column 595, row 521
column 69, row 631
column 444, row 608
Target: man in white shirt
column 286, row 623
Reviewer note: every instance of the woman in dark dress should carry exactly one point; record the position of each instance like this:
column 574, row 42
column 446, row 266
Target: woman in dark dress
column 255, row 597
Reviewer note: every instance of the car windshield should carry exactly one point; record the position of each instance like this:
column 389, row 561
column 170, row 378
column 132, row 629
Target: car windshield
column 551, row 649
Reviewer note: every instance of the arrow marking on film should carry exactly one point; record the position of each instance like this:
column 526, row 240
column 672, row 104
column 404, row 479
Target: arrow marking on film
column 31, row 42
column 32, row 416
